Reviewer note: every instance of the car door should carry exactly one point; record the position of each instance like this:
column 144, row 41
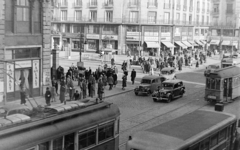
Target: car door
column 153, row 85
column 176, row 89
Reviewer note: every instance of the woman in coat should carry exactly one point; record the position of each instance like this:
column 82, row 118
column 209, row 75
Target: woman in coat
column 124, row 82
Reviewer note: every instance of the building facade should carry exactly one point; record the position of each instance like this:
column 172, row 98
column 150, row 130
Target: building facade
column 129, row 26
column 24, row 48
column 224, row 31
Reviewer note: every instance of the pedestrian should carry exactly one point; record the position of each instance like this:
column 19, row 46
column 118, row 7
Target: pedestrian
column 100, row 90
column 115, row 79
column 104, row 80
column 48, row 96
column 23, row 95
column 197, row 64
column 93, row 87
column 124, row 81
column 70, row 88
column 62, row 90
column 55, row 84
column 84, row 88
column 90, row 86
column 110, row 82
column 53, row 94
column 133, row 76
column 76, row 95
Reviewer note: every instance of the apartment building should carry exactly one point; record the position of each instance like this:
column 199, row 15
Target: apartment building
column 130, row 26
column 25, row 34
column 225, row 24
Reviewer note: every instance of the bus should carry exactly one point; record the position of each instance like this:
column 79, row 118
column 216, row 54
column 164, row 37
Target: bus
column 223, row 85
column 71, row 126
column 199, row 130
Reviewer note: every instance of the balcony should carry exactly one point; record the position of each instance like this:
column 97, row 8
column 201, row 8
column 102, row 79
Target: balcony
column 93, row 4
column 108, row 4
column 178, row 7
column 190, row 9
column 65, row 4
column 87, row 20
column 184, row 8
column 134, row 4
column 167, row 6
column 77, row 5
column 152, row 5
column 229, row 11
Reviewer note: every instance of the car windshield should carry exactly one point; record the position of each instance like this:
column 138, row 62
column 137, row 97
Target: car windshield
column 146, row 81
column 167, row 85
column 166, row 72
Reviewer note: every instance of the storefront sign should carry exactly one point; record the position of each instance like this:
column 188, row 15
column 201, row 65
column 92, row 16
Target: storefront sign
column 177, row 32
column 166, row 34
column 177, row 38
column 35, row 73
column 46, row 78
column 184, row 38
column 152, row 39
column 166, row 39
column 23, row 64
column 133, row 34
column 93, row 36
column 132, row 38
column 109, row 37
column 151, row 34
column 10, row 77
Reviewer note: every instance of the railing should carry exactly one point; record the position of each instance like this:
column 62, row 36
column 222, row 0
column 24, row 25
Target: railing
column 93, row 4
column 167, row 6
column 88, row 20
column 152, row 4
column 64, row 4
column 223, row 25
column 178, row 7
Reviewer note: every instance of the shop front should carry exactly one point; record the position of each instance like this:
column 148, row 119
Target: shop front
column 185, row 42
column 110, row 43
column 23, row 66
column 133, row 43
column 214, row 45
column 229, row 46
column 93, row 42
column 151, row 46
column 166, row 45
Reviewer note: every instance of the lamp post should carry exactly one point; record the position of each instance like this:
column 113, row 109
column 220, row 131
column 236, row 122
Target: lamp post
column 81, row 45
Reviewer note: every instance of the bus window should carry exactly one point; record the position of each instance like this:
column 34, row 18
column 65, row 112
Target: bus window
column 208, row 83
column 105, row 132
column 44, row 146
column 87, row 139
column 213, row 86
column 218, row 84
column 69, row 142
column 222, row 135
column 58, row 144
column 214, row 140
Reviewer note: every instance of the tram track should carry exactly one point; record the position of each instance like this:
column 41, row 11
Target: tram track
column 187, row 107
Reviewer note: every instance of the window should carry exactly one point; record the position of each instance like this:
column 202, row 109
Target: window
column 64, row 15
column 133, row 2
column 207, row 19
column 178, row 17
column 67, row 28
column 197, row 20
column 133, row 28
column 229, row 8
column 198, row 6
column 108, row 2
column 165, row 29
column 218, row 84
column 208, row 84
column 105, row 132
column 110, row 29
column 151, row 30
column 133, row 16
column 204, row 145
column 9, row 17
column 93, row 29
column 190, row 18
column 152, row 3
column 64, row 2
column 23, row 11
column 196, row 31
column 190, row 31
column 213, row 84
column 78, row 28
column 109, row 16
column 167, row 4
column 184, row 18
column 37, row 17
column 166, row 17
column 58, row 144
column 78, row 2
column 152, row 16
column 78, row 15
column 202, row 19
column 69, row 141
column 26, row 53
column 44, row 146
column 93, row 15
column 93, row 2
column 216, row 8
column 86, row 139
column 222, row 135
column 214, row 140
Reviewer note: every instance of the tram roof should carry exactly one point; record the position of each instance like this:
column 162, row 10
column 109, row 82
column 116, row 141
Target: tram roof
column 176, row 133
column 226, row 72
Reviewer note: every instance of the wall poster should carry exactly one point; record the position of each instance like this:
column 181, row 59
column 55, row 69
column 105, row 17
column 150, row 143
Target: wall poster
column 35, row 73
column 10, row 77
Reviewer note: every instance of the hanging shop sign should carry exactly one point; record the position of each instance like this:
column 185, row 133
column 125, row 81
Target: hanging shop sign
column 109, row 37
column 133, row 36
column 10, row 77
column 23, row 64
column 35, row 73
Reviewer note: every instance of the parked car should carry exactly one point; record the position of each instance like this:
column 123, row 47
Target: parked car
column 168, row 73
column 11, row 109
column 149, row 84
column 169, row 90
column 210, row 69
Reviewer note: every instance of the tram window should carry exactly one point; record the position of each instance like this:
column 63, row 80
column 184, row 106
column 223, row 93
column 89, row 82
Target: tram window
column 208, row 83
column 213, row 86
column 58, row 144
column 195, row 147
column 230, row 82
column 222, row 134
column 69, row 142
column 204, row 144
column 105, row 132
column 87, row 139
column 214, row 140
column 218, row 85
column 44, row 146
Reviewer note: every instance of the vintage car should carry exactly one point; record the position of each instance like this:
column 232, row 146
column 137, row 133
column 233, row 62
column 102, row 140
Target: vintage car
column 149, row 84
column 169, row 90
column 210, row 69
column 168, row 73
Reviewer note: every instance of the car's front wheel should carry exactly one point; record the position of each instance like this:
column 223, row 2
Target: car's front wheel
column 169, row 99
column 154, row 99
column 136, row 93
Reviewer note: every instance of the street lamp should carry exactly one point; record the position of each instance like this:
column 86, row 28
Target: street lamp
column 82, row 42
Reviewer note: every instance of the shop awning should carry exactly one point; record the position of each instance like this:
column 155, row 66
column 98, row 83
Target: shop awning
column 187, row 43
column 214, row 42
column 226, row 43
column 193, row 43
column 204, row 42
column 180, row 44
column 168, row 44
column 199, row 43
column 152, row 44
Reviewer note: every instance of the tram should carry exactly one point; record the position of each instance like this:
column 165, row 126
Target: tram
column 199, row 130
column 74, row 126
column 223, row 85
